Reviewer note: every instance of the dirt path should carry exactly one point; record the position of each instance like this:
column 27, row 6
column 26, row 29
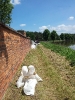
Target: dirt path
column 58, row 77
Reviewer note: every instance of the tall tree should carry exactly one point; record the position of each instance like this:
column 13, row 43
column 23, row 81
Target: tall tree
column 31, row 35
column 53, row 35
column 5, row 11
column 62, row 36
column 46, row 34
column 67, row 37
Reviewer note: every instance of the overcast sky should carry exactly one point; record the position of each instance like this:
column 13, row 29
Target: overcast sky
column 37, row 15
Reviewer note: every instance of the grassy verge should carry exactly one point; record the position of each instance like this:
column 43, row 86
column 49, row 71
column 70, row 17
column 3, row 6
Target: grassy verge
column 58, row 79
column 64, row 51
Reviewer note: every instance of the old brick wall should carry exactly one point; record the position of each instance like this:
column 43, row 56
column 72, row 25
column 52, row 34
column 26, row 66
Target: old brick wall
column 13, row 49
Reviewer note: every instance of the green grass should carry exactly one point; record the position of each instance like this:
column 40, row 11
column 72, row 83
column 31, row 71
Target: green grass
column 58, row 79
column 64, row 51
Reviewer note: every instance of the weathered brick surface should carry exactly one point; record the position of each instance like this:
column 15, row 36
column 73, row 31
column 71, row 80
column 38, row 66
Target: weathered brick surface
column 13, row 49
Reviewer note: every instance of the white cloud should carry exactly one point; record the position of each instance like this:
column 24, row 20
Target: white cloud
column 60, row 28
column 22, row 25
column 71, row 18
column 42, row 28
column 15, row 2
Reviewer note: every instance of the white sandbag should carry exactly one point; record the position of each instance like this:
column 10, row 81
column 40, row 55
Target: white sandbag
column 24, row 70
column 20, row 83
column 38, row 43
column 35, row 76
column 33, row 46
column 28, row 79
column 38, row 78
column 32, row 77
column 31, row 70
column 32, row 74
column 29, row 87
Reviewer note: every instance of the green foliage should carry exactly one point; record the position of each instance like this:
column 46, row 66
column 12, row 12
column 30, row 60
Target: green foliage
column 46, row 34
column 5, row 11
column 62, row 36
column 64, row 51
column 34, row 35
column 53, row 35
column 38, row 35
column 67, row 36
column 57, row 37
column 31, row 35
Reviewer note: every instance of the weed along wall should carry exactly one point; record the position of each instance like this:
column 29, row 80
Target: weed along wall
column 13, row 48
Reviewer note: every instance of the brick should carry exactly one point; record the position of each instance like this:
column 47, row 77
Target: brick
column 13, row 49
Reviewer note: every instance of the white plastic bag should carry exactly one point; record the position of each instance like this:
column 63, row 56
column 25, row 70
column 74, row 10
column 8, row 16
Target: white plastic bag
column 33, row 46
column 29, row 87
column 31, row 70
column 38, row 78
column 29, row 78
column 24, row 70
column 32, row 74
column 20, row 83
column 21, row 79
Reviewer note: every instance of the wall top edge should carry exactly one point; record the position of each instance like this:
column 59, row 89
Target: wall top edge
column 11, row 29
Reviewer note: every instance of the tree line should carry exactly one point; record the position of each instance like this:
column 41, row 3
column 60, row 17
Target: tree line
column 50, row 36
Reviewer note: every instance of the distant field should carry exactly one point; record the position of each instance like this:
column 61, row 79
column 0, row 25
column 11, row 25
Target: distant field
column 58, row 77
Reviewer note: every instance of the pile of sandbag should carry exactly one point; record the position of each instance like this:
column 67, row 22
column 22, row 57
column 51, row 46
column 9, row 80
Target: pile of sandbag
column 29, row 78
column 33, row 45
